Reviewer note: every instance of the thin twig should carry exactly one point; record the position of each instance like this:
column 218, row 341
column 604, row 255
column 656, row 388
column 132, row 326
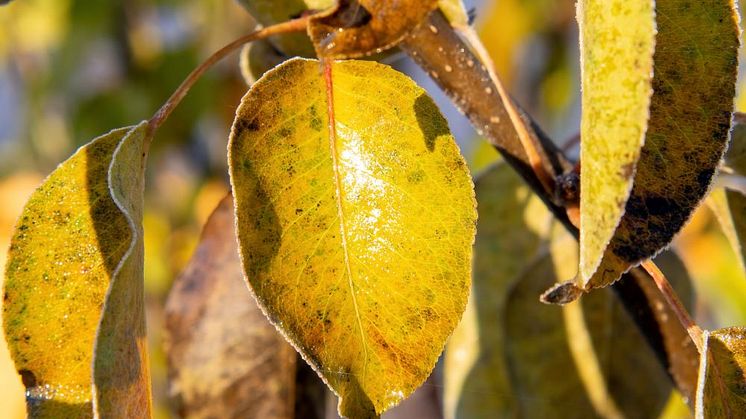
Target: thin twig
column 676, row 305
column 295, row 25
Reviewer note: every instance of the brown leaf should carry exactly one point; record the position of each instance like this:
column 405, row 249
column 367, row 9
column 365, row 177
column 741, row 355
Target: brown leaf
column 226, row 360
column 356, row 28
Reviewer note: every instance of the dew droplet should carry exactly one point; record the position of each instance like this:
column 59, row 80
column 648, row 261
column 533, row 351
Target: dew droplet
column 488, row 90
column 448, row 68
column 495, row 119
column 433, row 29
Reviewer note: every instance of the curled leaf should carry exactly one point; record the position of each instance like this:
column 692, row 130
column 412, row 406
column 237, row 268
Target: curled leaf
column 74, row 285
column 356, row 235
column 696, row 62
column 617, row 40
column 357, row 28
column 225, row 359
column 721, row 390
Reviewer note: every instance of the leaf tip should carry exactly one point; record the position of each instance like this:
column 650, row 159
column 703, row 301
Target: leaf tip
column 562, row 293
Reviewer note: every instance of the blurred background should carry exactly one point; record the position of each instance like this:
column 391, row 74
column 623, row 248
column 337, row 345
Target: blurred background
column 71, row 70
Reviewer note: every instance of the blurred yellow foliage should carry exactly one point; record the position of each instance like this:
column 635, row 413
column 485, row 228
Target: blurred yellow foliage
column 32, row 26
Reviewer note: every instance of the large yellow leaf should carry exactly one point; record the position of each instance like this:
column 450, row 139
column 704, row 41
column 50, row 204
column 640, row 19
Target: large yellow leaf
column 696, row 60
column 73, row 303
column 271, row 12
column 616, row 52
column 721, row 390
column 357, row 28
column 512, row 225
column 226, row 360
column 355, row 236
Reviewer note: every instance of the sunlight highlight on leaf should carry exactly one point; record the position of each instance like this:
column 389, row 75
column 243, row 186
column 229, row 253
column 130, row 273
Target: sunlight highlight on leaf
column 356, row 241
column 74, row 285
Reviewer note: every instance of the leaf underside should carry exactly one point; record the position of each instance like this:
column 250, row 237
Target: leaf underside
column 357, row 241
column 696, row 63
column 358, row 28
column 73, row 285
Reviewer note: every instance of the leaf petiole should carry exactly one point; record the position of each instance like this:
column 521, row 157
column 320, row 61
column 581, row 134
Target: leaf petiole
column 676, row 305
column 295, row 25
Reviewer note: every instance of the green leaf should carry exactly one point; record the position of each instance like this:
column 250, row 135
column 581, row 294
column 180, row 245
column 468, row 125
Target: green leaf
column 356, row 240
column 73, row 302
column 617, row 40
column 696, row 60
column 219, row 343
column 358, row 28
column 513, row 224
column 271, row 12
column 721, row 390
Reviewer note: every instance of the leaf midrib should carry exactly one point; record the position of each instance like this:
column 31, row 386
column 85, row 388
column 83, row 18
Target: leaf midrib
column 338, row 195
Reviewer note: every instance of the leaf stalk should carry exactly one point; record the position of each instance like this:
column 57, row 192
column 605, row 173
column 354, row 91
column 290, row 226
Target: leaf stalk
column 295, row 25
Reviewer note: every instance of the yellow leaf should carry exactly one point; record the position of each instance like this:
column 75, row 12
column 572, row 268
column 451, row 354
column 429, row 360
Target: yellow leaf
column 219, row 343
column 476, row 376
column 73, row 305
column 356, row 240
column 360, row 28
column 455, row 12
column 721, row 390
column 617, row 43
column 696, row 60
